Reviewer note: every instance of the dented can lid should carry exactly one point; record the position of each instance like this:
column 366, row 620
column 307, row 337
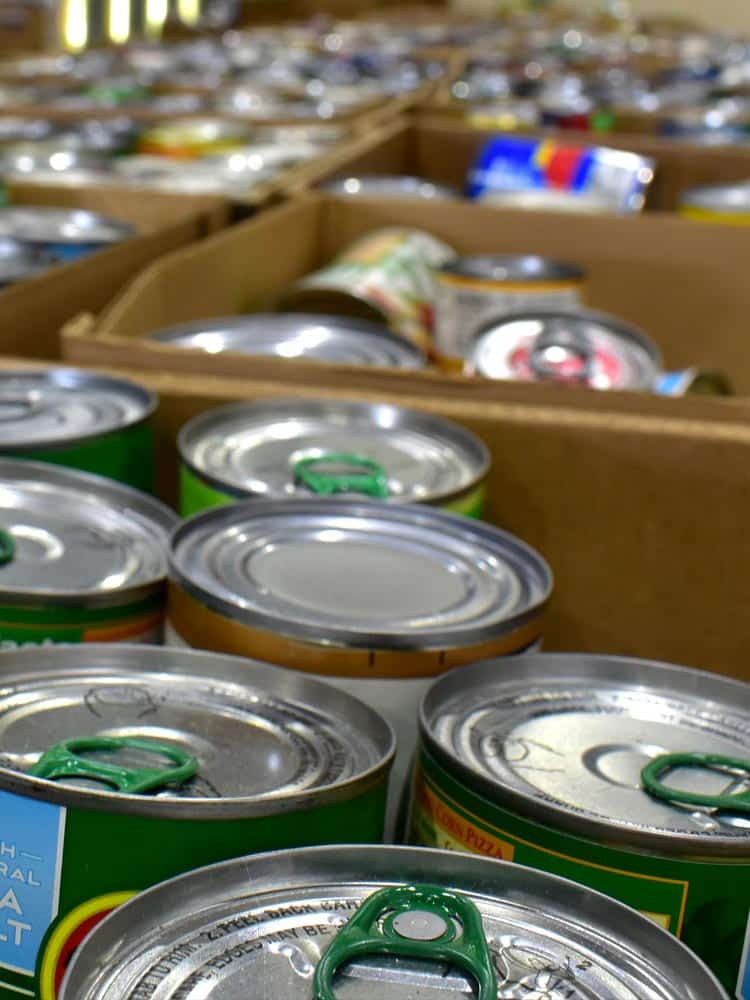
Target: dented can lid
column 255, row 449
column 565, row 738
column 339, row 340
column 268, row 920
column 60, row 406
column 264, row 740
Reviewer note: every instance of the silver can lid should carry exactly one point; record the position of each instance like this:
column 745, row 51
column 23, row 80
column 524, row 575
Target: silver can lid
column 331, row 339
column 256, row 449
column 20, row 260
column 77, row 537
column 259, row 927
column 513, row 268
column 265, row 740
column 391, row 186
column 565, row 738
column 361, row 575
column 60, row 406
column 572, row 346
column 725, row 198
column 39, row 224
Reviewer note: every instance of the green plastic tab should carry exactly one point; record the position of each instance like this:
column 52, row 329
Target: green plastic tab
column 7, row 547
column 372, row 481
column 652, row 775
column 63, row 761
column 412, row 921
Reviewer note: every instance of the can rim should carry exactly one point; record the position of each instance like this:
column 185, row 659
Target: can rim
column 549, row 269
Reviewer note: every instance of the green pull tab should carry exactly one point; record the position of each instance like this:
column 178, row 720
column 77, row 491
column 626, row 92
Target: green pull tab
column 372, row 481
column 63, row 761
column 7, row 547
column 652, row 775
column 412, row 921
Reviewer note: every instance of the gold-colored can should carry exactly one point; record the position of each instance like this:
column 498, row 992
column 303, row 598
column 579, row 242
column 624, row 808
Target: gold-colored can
column 190, row 138
column 726, row 204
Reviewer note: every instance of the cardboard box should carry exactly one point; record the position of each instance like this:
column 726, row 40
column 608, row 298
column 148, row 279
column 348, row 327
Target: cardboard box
column 641, row 517
column 32, row 311
column 443, row 148
column 683, row 282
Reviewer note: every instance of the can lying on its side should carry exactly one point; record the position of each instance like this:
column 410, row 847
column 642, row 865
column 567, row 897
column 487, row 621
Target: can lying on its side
column 89, row 422
column 303, row 448
column 578, row 347
column 562, row 762
column 376, row 598
column 66, row 233
column 335, row 340
column 476, row 290
column 371, row 922
column 82, row 558
column 123, row 766
column 728, row 204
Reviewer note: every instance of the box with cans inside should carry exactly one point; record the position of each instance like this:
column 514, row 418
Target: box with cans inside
column 372, row 614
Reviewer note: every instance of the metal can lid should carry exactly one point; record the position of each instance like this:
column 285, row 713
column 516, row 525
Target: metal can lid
column 59, row 406
column 572, row 346
column 360, row 575
column 256, row 448
column 339, row 340
column 564, row 738
column 20, row 260
column 265, row 739
column 75, row 536
column 513, row 268
column 39, row 224
column 267, row 920
column 391, row 186
column 729, row 198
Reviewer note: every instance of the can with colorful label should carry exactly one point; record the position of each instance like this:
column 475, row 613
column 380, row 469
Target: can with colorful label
column 84, row 421
column 124, row 766
column 627, row 776
column 187, row 138
column 82, row 558
column 476, row 290
column 305, row 448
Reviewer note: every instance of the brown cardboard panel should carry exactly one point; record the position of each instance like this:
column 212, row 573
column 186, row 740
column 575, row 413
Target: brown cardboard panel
column 33, row 311
column 684, row 283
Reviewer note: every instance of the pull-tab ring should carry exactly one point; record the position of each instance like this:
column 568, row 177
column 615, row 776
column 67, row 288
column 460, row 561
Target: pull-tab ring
column 63, row 761
column 7, row 547
column 653, row 773
column 412, row 921
column 367, row 477
column 29, row 402
column 574, row 343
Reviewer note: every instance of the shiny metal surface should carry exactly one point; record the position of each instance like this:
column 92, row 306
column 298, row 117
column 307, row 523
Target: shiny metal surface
column 20, row 260
column 255, row 929
column 391, row 186
column 39, row 224
column 726, row 198
column 252, row 449
column 563, row 738
column 509, row 268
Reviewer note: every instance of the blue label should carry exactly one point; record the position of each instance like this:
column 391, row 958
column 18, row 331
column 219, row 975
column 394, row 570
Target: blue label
column 72, row 251
column 743, row 983
column 31, row 844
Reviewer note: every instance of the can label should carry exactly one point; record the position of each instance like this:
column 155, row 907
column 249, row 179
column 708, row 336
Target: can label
column 720, row 218
column 743, row 981
column 63, row 870
column 196, row 496
column 703, row 901
column 464, row 305
column 139, row 623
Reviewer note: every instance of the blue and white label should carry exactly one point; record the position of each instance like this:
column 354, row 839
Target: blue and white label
column 31, row 847
column 743, row 983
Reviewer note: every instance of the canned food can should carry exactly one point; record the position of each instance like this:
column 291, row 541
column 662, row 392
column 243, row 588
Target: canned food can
column 67, row 234
column 728, row 204
column 382, row 921
column 372, row 597
column 387, row 276
column 82, row 558
column 583, row 348
column 20, row 260
column 547, row 200
column 694, row 382
column 391, row 186
column 334, row 340
column 89, row 422
column 625, row 775
column 476, row 290
column 285, row 449
column 186, row 138
column 26, row 159
column 123, row 766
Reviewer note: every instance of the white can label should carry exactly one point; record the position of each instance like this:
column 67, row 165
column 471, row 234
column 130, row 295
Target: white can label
column 464, row 307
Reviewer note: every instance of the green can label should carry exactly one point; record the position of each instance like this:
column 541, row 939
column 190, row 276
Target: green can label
column 141, row 623
column 704, row 902
column 63, row 870
column 197, row 496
